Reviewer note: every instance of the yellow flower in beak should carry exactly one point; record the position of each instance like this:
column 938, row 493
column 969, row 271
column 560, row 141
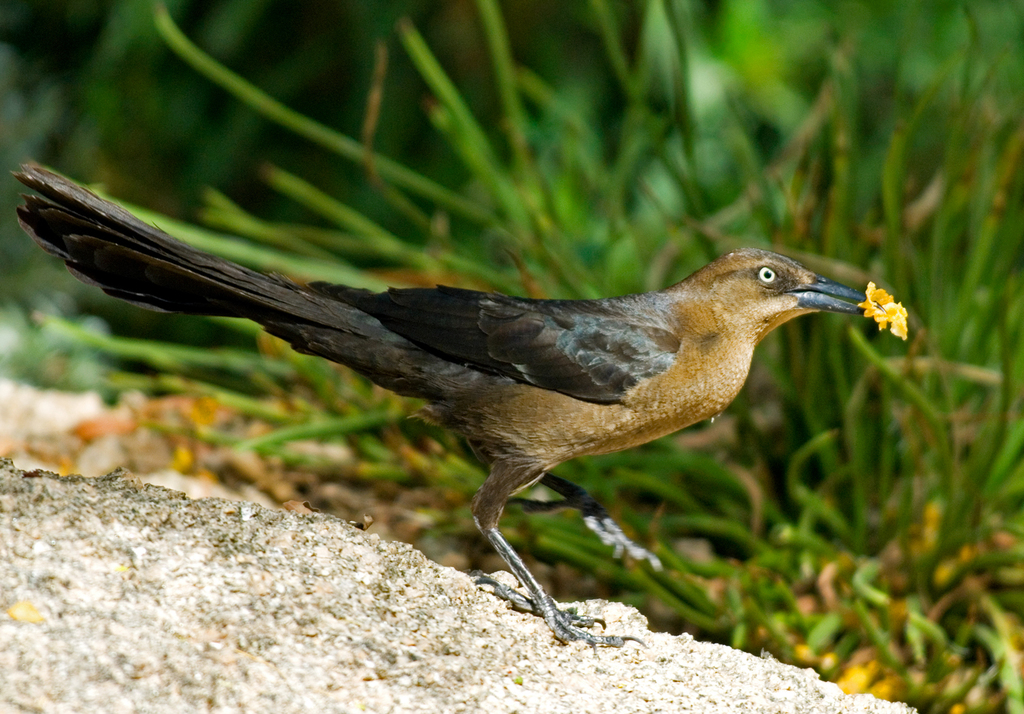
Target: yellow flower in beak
column 881, row 306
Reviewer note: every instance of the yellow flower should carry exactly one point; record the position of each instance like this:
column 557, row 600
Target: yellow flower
column 857, row 679
column 885, row 310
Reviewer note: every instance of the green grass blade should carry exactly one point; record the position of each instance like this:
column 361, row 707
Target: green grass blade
column 611, row 36
column 466, row 133
column 257, row 256
column 321, row 428
column 314, row 131
column 344, row 216
column 223, row 214
column 165, row 356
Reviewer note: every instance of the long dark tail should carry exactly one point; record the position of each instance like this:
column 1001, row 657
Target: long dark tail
column 104, row 245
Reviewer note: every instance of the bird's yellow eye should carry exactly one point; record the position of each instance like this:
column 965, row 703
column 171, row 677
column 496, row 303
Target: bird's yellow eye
column 766, row 275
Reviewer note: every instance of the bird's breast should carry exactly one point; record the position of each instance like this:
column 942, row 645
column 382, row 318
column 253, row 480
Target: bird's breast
column 551, row 427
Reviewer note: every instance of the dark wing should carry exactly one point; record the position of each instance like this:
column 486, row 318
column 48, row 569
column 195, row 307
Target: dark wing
column 594, row 350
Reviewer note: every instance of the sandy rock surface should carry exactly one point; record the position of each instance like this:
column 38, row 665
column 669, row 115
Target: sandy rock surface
column 148, row 601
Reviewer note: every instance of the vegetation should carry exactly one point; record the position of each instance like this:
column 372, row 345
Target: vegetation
column 865, row 509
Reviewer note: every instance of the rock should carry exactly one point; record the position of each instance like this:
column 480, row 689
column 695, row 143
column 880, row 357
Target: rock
column 154, row 602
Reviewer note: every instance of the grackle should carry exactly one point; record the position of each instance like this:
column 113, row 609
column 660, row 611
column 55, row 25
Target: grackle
column 529, row 383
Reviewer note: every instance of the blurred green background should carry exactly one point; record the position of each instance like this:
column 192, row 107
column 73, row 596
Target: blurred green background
column 859, row 509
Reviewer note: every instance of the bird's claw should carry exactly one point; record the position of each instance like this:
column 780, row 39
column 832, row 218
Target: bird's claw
column 567, row 625
column 595, row 516
column 611, row 534
column 513, row 597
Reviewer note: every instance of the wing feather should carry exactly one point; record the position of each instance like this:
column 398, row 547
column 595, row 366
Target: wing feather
column 594, row 350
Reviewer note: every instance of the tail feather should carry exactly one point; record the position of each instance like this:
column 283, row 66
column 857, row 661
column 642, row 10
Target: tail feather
column 105, row 246
column 108, row 247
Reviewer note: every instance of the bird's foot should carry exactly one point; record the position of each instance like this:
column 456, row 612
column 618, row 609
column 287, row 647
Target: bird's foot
column 595, row 516
column 567, row 625
column 611, row 534
column 524, row 603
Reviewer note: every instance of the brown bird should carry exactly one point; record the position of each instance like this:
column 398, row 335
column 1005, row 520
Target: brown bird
column 529, row 383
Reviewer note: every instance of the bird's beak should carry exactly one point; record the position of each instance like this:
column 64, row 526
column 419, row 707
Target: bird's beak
column 824, row 295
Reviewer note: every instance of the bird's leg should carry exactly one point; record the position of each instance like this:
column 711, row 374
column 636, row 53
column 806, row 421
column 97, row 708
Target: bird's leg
column 595, row 517
column 488, row 504
column 565, row 624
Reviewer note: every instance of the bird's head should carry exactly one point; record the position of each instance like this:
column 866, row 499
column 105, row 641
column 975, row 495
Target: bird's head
column 755, row 291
